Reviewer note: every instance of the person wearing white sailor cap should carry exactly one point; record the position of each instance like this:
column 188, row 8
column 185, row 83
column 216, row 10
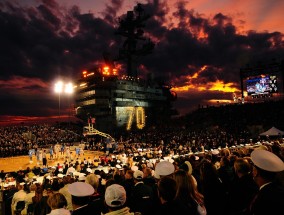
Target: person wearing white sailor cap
column 270, row 197
column 81, row 192
column 164, row 168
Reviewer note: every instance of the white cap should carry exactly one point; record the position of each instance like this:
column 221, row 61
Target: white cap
column 150, row 165
column 134, row 168
column 89, row 170
column 164, row 168
column 76, row 173
column 80, row 189
column 154, row 173
column 267, row 161
column 22, row 183
column 115, row 195
column 138, row 174
column 189, row 167
column 118, row 166
column 40, row 180
column 215, row 152
column 262, row 147
column 82, row 177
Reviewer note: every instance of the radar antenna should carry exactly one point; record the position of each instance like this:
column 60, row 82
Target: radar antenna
column 131, row 26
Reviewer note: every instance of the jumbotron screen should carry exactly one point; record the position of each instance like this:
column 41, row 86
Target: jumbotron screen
column 262, row 85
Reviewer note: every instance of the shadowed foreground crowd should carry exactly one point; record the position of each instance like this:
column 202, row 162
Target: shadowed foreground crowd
column 245, row 181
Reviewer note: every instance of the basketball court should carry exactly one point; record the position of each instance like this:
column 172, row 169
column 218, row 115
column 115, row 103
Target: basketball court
column 11, row 164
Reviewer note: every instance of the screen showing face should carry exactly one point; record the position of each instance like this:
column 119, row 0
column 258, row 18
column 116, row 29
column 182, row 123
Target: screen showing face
column 261, row 85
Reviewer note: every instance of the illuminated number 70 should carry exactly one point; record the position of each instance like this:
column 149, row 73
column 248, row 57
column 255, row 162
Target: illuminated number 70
column 140, row 117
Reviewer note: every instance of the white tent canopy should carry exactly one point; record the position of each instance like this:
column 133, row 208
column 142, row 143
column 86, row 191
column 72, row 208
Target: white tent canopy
column 272, row 132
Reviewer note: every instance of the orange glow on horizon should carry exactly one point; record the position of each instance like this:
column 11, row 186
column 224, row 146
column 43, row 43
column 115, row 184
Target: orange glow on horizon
column 211, row 86
column 221, row 86
column 17, row 120
column 219, row 101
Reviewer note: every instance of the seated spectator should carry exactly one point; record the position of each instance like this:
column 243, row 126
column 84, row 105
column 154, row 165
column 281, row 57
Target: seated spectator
column 18, row 197
column 64, row 191
column 30, row 174
column 57, row 203
column 28, row 198
column 96, row 200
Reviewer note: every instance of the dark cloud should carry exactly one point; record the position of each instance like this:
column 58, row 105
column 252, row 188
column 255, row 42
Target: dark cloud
column 49, row 40
column 110, row 12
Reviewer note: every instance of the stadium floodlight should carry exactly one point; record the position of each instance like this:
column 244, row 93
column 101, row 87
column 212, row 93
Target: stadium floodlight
column 58, row 87
column 62, row 88
column 69, row 88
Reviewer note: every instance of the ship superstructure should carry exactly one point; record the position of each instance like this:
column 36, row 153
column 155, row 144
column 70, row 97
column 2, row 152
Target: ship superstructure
column 123, row 101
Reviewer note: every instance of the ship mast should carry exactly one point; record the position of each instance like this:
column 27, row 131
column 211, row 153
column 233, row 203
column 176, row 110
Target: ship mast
column 131, row 27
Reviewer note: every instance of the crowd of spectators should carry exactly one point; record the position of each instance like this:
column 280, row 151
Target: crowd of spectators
column 161, row 170
column 207, row 127
column 214, row 182
column 17, row 140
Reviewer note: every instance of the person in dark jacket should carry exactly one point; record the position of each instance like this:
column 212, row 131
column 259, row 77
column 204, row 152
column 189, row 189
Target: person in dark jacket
column 213, row 189
column 167, row 188
column 142, row 196
column 270, row 197
column 81, row 193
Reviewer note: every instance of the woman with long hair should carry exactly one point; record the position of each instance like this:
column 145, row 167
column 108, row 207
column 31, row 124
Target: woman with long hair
column 187, row 194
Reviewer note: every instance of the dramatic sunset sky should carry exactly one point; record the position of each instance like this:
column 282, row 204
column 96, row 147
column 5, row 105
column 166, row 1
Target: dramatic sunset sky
column 200, row 47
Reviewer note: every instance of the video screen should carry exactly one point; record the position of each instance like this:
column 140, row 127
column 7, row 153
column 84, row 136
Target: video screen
column 261, row 85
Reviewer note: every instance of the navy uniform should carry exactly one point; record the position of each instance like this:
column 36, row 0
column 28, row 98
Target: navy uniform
column 270, row 197
column 80, row 194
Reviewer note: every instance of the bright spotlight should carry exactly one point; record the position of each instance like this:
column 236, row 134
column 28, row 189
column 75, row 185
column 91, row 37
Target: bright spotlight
column 58, row 87
column 69, row 88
